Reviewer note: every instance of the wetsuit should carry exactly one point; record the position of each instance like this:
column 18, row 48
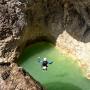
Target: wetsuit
column 44, row 64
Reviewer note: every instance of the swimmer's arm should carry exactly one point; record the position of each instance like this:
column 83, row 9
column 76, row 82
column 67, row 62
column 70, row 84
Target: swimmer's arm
column 40, row 60
column 50, row 62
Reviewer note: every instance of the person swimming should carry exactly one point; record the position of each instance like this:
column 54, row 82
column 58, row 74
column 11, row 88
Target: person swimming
column 44, row 63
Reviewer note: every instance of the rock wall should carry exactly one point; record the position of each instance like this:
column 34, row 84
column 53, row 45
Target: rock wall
column 13, row 77
column 12, row 24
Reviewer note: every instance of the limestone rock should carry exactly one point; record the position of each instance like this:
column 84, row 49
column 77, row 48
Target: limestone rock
column 13, row 78
column 12, row 23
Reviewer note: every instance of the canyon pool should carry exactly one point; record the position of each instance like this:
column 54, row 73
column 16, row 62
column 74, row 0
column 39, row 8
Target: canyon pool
column 63, row 74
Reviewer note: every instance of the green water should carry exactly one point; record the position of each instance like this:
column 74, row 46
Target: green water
column 63, row 74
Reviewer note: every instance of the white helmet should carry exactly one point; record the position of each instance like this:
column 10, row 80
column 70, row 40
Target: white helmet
column 45, row 59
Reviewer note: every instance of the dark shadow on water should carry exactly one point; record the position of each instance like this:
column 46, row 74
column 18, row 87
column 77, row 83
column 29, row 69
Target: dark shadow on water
column 31, row 51
column 61, row 86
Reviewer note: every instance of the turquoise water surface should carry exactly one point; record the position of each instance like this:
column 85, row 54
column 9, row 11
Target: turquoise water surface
column 63, row 74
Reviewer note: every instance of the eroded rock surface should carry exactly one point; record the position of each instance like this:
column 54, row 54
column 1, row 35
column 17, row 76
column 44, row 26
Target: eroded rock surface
column 13, row 77
column 12, row 23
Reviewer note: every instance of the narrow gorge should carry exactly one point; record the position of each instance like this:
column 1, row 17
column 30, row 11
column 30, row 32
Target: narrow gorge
column 64, row 23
